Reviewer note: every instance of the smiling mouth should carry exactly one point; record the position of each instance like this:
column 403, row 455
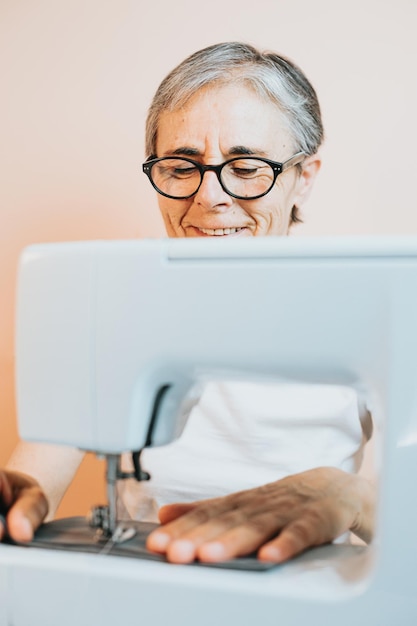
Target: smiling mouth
column 219, row 232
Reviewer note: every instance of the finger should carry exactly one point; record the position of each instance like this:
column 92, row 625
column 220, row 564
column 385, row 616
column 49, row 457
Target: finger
column 6, row 492
column 240, row 540
column 159, row 540
column 222, row 538
column 171, row 512
column 186, row 548
column 192, row 515
column 6, row 498
column 26, row 515
column 180, row 537
column 173, row 529
column 199, row 523
column 304, row 532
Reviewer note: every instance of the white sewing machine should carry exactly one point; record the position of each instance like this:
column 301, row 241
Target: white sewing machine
column 103, row 327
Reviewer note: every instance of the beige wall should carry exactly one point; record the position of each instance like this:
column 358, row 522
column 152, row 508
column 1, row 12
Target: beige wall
column 76, row 79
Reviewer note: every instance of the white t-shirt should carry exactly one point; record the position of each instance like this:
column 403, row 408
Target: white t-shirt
column 241, row 435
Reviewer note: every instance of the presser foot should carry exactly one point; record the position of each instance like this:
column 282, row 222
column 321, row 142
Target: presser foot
column 104, row 517
column 100, row 519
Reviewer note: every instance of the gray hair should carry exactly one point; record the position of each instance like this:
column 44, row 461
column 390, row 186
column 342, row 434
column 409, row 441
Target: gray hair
column 270, row 75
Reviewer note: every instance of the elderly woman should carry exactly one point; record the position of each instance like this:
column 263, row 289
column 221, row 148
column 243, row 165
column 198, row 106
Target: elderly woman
column 233, row 136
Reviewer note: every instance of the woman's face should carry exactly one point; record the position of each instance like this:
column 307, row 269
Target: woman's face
column 217, row 124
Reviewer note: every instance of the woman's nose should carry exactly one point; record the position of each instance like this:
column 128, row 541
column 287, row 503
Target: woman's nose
column 211, row 195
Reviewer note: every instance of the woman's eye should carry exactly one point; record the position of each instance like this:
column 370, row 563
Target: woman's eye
column 183, row 171
column 167, row 171
column 245, row 172
column 248, row 168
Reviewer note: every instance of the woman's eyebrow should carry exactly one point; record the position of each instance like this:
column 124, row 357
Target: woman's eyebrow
column 238, row 150
column 233, row 151
column 184, row 151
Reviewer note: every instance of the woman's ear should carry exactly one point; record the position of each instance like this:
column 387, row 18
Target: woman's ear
column 310, row 169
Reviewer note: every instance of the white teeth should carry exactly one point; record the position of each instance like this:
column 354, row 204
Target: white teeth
column 219, row 231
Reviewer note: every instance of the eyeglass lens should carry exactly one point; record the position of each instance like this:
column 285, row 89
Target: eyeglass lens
column 241, row 177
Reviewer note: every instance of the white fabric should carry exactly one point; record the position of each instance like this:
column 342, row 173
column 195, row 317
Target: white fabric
column 242, row 434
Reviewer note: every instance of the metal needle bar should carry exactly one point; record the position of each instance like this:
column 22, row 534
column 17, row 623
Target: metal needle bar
column 111, row 476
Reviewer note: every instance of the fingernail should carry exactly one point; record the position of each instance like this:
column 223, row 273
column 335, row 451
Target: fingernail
column 213, row 551
column 22, row 531
column 158, row 541
column 181, row 550
column 270, row 553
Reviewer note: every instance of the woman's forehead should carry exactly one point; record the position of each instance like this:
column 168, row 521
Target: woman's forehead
column 227, row 116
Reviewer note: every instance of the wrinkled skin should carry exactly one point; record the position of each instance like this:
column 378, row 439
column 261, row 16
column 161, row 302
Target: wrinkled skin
column 219, row 123
column 278, row 520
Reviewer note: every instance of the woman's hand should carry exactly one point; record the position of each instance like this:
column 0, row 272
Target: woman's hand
column 23, row 505
column 278, row 520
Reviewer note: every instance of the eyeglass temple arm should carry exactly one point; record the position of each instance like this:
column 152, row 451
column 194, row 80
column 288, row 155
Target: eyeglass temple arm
column 294, row 160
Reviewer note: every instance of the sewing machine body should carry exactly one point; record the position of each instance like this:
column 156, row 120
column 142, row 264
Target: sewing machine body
column 103, row 326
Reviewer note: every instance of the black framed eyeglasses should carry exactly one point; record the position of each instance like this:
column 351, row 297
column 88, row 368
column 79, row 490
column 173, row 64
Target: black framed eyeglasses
column 243, row 177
